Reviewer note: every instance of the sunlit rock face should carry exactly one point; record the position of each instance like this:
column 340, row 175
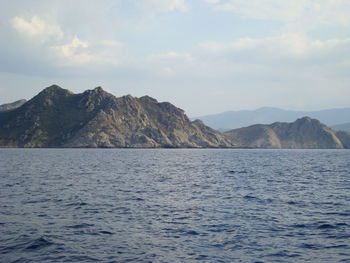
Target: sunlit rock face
column 304, row 133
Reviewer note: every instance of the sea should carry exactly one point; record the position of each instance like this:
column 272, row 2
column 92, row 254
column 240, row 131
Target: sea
column 174, row 205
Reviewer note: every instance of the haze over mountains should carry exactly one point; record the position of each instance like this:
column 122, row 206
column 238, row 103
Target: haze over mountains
column 266, row 115
column 95, row 118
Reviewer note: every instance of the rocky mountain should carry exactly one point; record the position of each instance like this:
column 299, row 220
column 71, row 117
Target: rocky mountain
column 344, row 137
column 304, row 133
column 58, row 118
column 12, row 106
column 266, row 115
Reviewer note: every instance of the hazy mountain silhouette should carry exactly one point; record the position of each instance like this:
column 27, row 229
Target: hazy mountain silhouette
column 342, row 127
column 237, row 119
column 304, row 133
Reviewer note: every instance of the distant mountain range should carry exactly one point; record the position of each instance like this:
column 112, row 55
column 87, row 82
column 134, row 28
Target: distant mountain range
column 304, row 133
column 95, row 118
column 238, row 119
column 342, row 127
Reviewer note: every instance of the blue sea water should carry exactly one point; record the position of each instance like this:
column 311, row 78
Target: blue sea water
column 129, row 205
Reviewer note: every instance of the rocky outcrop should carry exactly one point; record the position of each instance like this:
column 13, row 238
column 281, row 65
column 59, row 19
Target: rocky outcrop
column 344, row 137
column 256, row 136
column 58, row 118
column 12, row 106
column 304, row 133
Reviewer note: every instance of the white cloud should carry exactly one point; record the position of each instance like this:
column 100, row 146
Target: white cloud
column 69, row 50
column 37, row 28
column 111, row 43
column 75, row 51
column 288, row 67
column 212, row 1
column 284, row 10
column 297, row 13
column 159, row 6
column 283, row 48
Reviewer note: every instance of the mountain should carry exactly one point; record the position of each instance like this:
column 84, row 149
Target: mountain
column 345, row 138
column 342, row 127
column 58, row 118
column 12, row 106
column 237, row 119
column 304, row 133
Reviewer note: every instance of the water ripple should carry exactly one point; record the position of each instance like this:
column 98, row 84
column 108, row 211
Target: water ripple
column 84, row 205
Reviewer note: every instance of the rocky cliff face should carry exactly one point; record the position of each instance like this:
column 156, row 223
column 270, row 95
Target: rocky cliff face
column 58, row 118
column 12, row 106
column 344, row 137
column 304, row 133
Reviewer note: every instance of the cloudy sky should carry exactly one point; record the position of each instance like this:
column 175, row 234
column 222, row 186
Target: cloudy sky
column 205, row 56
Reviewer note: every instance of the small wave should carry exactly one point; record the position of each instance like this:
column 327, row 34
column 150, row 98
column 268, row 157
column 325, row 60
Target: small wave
column 284, row 253
column 237, row 172
column 77, row 204
column 311, row 246
column 106, row 232
column 42, row 200
column 324, row 171
column 326, row 226
column 337, row 246
column 39, row 244
column 192, row 232
column 250, row 197
column 299, row 226
column 83, row 225
column 81, row 259
column 338, row 213
column 26, row 244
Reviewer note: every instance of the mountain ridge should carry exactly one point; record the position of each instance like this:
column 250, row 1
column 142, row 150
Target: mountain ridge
column 13, row 105
column 266, row 115
column 304, row 133
column 95, row 118
column 56, row 117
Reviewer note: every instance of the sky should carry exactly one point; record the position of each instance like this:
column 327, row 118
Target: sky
column 204, row 56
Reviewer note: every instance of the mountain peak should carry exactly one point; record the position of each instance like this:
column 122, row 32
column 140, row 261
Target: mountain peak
column 306, row 119
column 99, row 89
column 55, row 90
column 53, row 87
column 97, row 92
column 148, row 99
